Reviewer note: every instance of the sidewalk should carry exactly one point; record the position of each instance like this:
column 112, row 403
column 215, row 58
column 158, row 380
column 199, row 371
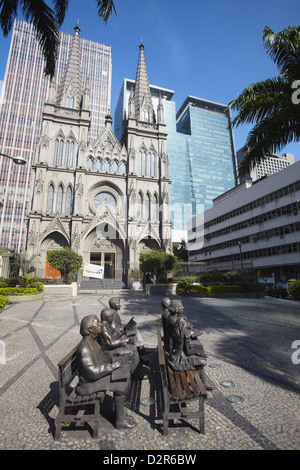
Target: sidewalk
column 36, row 335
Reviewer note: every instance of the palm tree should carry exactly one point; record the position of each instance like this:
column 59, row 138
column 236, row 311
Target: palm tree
column 47, row 22
column 269, row 104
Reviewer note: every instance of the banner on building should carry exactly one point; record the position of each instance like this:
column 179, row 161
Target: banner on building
column 93, row 270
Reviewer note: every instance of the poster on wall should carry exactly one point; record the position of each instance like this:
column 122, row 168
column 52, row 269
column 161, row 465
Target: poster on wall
column 93, row 270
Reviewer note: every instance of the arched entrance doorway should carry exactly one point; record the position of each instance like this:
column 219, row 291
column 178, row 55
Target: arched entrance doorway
column 107, row 252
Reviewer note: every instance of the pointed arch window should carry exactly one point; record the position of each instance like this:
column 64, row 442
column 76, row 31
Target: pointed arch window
column 114, row 167
column 155, row 209
column 147, row 207
column 106, row 165
column 69, row 101
column 71, row 154
column 123, row 168
column 140, row 207
column 98, row 164
column 59, row 199
column 58, row 152
column 140, row 164
column 68, row 207
column 89, row 163
column 153, row 165
column 50, row 197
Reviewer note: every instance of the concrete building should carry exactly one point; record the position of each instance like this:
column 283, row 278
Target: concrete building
column 200, row 148
column 108, row 201
column 272, row 164
column 23, row 96
column 255, row 225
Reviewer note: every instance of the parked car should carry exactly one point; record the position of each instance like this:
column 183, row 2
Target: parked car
column 277, row 291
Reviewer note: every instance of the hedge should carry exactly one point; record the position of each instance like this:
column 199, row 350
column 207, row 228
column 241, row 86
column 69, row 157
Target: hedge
column 199, row 289
column 3, row 302
column 293, row 288
column 224, row 289
column 18, row 291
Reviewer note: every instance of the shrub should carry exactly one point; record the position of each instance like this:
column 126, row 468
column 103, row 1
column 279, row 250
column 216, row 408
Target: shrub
column 3, row 301
column 3, row 284
column 224, row 289
column 293, row 288
column 192, row 288
column 18, row 291
column 39, row 286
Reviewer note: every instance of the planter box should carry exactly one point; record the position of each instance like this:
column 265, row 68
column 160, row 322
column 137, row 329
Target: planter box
column 25, row 298
column 61, row 290
column 161, row 289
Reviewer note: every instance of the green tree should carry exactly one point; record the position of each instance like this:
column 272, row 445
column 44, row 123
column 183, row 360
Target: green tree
column 158, row 262
column 47, row 22
column 66, row 261
column 269, row 104
column 22, row 263
column 179, row 250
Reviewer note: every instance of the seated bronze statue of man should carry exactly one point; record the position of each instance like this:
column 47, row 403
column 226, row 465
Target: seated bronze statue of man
column 97, row 372
column 180, row 333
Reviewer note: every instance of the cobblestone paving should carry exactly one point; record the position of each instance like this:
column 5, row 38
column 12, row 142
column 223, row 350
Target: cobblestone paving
column 36, row 335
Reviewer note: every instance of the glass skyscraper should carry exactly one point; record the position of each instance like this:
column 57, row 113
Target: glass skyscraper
column 200, row 148
column 22, row 100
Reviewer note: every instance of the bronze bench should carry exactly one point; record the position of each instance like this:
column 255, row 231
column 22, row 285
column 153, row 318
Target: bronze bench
column 67, row 373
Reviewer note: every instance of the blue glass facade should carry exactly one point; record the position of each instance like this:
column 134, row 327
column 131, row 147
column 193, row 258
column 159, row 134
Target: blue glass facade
column 202, row 156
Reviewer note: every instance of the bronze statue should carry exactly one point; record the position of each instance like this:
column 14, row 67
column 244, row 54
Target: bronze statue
column 130, row 329
column 165, row 303
column 97, row 372
column 114, row 340
column 184, row 352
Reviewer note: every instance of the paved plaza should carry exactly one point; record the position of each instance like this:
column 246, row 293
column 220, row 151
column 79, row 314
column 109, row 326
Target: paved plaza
column 249, row 339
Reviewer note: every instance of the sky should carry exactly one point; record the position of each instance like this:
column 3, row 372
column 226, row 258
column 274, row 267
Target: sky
column 211, row 50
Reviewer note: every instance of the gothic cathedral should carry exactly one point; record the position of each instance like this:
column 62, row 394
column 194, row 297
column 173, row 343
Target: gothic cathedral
column 106, row 200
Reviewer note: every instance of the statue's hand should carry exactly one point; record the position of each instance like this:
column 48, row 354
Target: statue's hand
column 116, row 365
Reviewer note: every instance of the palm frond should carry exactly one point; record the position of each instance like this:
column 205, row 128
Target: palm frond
column 106, row 9
column 284, row 49
column 269, row 136
column 8, row 12
column 260, row 100
column 60, row 8
column 43, row 18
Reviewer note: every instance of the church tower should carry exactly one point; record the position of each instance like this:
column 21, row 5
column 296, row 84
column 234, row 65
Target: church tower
column 148, row 169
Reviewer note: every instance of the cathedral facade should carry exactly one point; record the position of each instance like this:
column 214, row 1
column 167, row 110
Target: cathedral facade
column 107, row 200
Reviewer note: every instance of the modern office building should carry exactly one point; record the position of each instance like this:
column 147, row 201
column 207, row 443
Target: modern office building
column 256, row 225
column 200, row 148
column 272, row 164
column 22, row 100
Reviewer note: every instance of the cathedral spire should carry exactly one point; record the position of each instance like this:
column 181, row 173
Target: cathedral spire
column 70, row 90
column 143, row 106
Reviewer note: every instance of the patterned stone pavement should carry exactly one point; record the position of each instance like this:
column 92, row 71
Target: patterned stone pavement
column 249, row 339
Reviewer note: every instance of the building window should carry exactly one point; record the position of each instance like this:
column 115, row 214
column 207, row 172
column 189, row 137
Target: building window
column 114, row 167
column 147, row 207
column 139, row 207
column 155, row 209
column 106, row 165
column 98, row 164
column 59, row 200
column 104, row 198
column 58, row 152
column 123, row 168
column 69, row 101
column 68, row 208
column 89, row 163
column 50, row 197
column 153, row 165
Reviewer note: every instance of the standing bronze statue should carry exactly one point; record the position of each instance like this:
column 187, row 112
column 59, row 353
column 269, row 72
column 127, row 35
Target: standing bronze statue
column 97, row 371
column 185, row 351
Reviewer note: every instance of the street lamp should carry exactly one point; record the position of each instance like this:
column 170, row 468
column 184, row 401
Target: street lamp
column 16, row 160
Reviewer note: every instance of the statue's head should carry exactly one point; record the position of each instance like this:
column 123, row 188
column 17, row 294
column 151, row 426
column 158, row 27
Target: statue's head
column 107, row 314
column 115, row 303
column 90, row 325
column 166, row 302
column 176, row 306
